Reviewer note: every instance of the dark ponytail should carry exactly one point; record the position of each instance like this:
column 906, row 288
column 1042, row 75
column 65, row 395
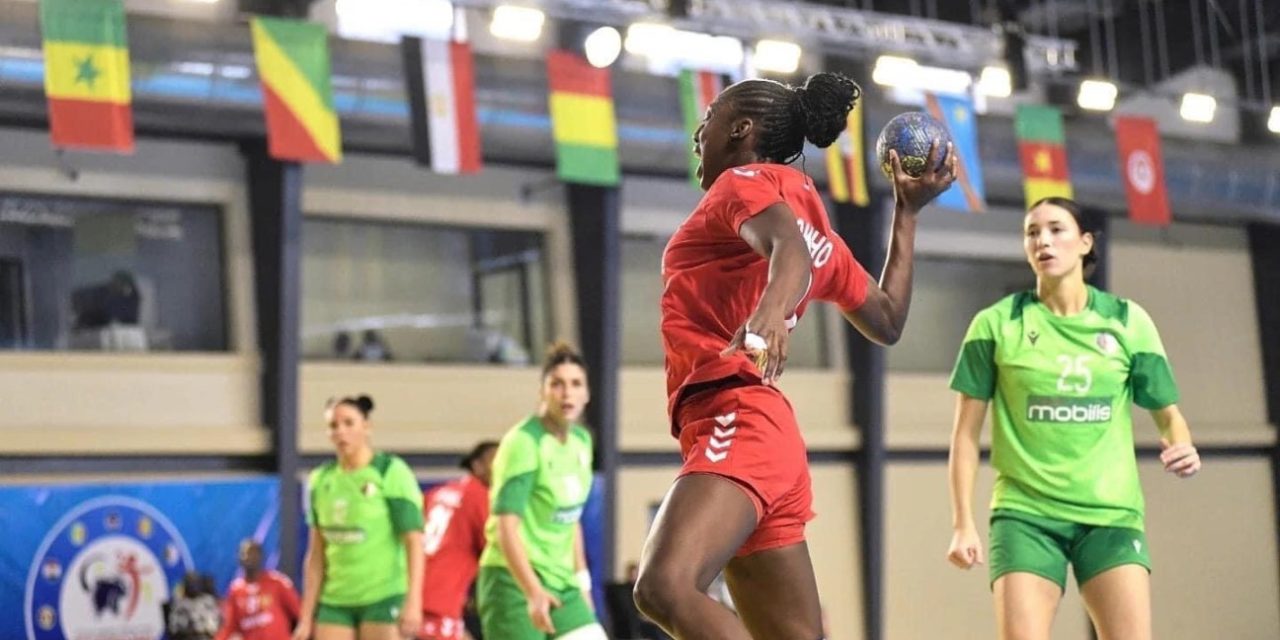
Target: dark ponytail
column 787, row 116
column 361, row 403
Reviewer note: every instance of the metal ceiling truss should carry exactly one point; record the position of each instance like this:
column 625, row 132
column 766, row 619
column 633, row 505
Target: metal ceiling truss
column 837, row 30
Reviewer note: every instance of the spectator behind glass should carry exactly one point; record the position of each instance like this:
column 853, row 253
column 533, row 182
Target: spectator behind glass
column 342, row 346
column 262, row 605
column 373, row 348
column 193, row 614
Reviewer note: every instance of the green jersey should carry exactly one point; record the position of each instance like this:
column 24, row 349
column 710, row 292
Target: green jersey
column 1061, row 390
column 545, row 482
column 362, row 515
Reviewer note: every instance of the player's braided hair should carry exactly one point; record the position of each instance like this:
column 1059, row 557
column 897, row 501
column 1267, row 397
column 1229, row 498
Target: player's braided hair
column 787, row 115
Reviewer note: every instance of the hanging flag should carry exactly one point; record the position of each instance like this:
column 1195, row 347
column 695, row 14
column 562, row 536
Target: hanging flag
column 1142, row 167
column 697, row 91
column 847, row 163
column 1042, row 148
column 293, row 63
column 582, row 121
column 86, row 74
column 440, row 82
column 967, row 193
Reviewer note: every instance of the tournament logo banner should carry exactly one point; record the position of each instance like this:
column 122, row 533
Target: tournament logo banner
column 99, row 562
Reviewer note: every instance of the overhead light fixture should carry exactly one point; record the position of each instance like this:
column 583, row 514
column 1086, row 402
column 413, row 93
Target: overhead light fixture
column 388, row 20
column 1198, row 107
column 603, row 47
column 778, row 56
column 668, row 50
column 996, row 82
column 519, row 24
column 891, row 70
column 1097, row 95
column 905, row 73
column 648, row 38
column 1273, row 123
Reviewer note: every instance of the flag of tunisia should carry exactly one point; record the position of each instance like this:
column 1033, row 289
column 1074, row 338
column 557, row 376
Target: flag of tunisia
column 1142, row 168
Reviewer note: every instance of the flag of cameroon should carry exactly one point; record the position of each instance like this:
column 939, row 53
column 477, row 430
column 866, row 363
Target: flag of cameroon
column 1042, row 149
column 86, row 74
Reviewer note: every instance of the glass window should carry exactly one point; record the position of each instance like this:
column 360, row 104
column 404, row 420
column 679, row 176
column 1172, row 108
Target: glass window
column 109, row 275
column 642, row 289
column 947, row 293
column 410, row 292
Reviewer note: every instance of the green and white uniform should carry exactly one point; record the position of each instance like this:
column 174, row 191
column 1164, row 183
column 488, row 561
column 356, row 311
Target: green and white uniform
column 363, row 515
column 1061, row 390
column 546, row 483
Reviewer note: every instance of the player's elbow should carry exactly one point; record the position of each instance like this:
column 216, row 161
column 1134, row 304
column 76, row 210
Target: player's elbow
column 890, row 335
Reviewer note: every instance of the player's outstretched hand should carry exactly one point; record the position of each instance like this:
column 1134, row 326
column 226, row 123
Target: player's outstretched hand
column 1181, row 460
column 966, row 548
column 914, row 193
column 540, row 605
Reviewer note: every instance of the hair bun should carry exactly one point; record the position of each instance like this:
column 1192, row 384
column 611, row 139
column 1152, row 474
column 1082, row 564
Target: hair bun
column 824, row 103
column 365, row 403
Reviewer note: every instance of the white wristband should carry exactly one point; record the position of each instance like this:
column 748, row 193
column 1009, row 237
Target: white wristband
column 584, row 580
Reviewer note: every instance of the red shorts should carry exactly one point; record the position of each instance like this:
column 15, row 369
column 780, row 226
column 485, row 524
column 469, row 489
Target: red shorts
column 436, row 627
column 749, row 434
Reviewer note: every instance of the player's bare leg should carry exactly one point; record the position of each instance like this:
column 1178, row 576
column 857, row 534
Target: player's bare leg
column 776, row 593
column 703, row 521
column 1119, row 603
column 379, row 631
column 1025, row 606
column 333, row 632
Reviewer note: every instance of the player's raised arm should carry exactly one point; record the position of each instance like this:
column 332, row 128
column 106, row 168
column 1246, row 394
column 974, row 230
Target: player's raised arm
column 883, row 316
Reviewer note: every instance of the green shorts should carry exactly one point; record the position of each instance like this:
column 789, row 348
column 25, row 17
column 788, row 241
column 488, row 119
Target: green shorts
column 504, row 610
column 1045, row 546
column 380, row 612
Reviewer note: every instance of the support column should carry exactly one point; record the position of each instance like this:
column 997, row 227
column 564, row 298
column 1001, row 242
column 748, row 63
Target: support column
column 1263, row 240
column 595, row 215
column 275, row 208
column 865, row 230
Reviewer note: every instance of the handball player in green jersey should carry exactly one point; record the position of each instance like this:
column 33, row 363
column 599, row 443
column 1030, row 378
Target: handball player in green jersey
column 1061, row 366
column 533, row 581
column 363, row 572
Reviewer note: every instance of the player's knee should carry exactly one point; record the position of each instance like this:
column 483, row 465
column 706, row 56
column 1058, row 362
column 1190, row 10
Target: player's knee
column 655, row 594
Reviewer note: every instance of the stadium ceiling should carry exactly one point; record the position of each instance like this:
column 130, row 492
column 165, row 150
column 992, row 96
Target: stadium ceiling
column 1234, row 35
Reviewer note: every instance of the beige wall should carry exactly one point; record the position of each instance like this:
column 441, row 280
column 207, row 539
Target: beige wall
column 1197, row 283
column 419, row 408
column 833, row 540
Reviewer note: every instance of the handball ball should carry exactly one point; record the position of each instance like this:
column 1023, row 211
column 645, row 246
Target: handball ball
column 911, row 134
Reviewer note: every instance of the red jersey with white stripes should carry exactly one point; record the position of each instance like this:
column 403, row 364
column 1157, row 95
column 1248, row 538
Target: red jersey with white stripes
column 455, row 513
column 713, row 279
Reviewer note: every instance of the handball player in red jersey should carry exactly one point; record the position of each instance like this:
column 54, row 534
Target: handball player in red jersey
column 738, row 274
column 262, row 605
column 455, row 514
